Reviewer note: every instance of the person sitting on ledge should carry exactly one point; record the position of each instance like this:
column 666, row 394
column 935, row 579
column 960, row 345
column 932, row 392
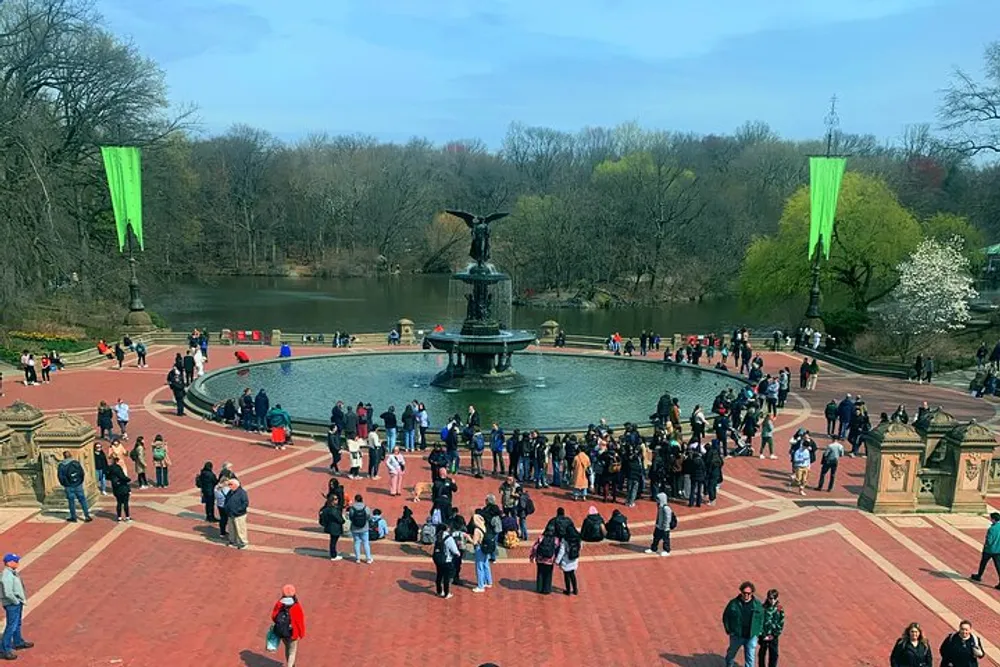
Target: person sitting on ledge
column 394, row 337
column 285, row 351
column 241, row 357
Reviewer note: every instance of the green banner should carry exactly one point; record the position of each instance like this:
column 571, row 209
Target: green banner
column 123, row 166
column 825, row 175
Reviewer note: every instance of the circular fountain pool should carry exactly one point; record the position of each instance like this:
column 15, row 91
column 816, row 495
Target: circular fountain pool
column 565, row 391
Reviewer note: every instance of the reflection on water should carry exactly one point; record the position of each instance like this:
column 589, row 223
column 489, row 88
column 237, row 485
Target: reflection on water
column 576, row 391
column 306, row 305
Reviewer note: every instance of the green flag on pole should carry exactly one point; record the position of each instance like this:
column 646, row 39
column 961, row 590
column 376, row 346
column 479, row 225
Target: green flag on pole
column 825, row 175
column 123, row 166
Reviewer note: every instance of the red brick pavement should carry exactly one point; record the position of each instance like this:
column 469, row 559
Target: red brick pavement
column 165, row 593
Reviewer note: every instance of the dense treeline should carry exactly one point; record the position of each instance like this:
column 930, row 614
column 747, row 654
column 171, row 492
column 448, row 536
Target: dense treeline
column 646, row 214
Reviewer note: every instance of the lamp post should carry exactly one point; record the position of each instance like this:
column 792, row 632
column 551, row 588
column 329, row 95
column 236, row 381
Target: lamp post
column 137, row 316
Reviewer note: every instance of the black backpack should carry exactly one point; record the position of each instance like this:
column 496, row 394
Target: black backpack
column 74, row 473
column 489, row 544
column 440, row 555
column 573, row 548
column 527, row 505
column 359, row 518
column 283, row 624
column 547, row 547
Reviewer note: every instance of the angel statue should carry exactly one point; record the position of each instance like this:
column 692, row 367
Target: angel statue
column 480, row 226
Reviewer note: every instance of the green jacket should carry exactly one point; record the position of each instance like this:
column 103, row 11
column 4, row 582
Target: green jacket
column 992, row 545
column 732, row 617
column 774, row 621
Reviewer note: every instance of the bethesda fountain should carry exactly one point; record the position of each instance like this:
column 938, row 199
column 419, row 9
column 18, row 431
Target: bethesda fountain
column 479, row 354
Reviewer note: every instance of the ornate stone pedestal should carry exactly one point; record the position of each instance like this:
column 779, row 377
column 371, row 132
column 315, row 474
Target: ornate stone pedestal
column 65, row 433
column 405, row 330
column 548, row 332
column 970, row 448
column 894, row 458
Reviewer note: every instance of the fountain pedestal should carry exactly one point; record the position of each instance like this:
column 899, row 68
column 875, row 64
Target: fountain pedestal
column 479, row 354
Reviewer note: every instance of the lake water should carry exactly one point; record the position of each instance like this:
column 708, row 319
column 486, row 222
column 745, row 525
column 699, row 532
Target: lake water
column 302, row 305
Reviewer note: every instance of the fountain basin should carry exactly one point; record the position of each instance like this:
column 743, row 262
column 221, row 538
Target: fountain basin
column 575, row 389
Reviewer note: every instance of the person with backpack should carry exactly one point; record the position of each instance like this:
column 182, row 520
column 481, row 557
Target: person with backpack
column 70, row 474
column 206, row 482
column 359, row 515
column 331, row 518
column 138, row 456
column 407, row 529
column 477, row 446
column 962, row 648
column 484, row 544
column 525, row 508
column 161, row 461
column 666, row 521
column 568, row 559
column 289, row 622
column 428, row 531
column 444, row 555
column 543, row 555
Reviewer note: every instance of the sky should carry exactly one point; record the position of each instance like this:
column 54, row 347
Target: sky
column 460, row 69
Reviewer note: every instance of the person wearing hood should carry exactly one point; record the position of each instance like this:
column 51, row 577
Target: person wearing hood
column 261, row 406
column 206, row 481
column 666, row 520
column 331, row 518
column 592, row 528
column 289, row 622
column 409, row 420
column 407, row 529
column 543, row 555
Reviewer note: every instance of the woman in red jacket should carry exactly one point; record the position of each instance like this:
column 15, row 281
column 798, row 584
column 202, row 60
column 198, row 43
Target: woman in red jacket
column 289, row 622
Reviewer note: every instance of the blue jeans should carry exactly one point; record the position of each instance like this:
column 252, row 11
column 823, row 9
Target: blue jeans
column 484, row 575
column 540, row 475
column 74, row 493
column 12, row 633
column 749, row 647
column 453, row 459
column 390, row 435
column 408, row 439
column 525, row 464
column 262, row 421
column 556, row 473
column 102, row 480
column 522, row 527
column 361, row 539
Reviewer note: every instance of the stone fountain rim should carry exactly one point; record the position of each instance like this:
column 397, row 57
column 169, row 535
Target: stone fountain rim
column 201, row 403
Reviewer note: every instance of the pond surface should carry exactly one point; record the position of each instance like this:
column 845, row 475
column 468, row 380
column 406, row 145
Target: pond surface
column 375, row 304
column 565, row 391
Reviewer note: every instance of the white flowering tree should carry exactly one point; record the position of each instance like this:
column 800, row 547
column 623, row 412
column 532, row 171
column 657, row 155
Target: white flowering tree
column 932, row 296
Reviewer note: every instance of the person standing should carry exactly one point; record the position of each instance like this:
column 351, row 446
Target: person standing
column 331, row 517
column 484, row 545
column 445, row 553
column 774, row 623
column 390, row 423
column 568, row 560
column 830, row 412
column 261, row 406
column 409, row 420
column 101, row 467
column 176, row 382
column 237, row 503
column 140, row 354
column 581, row 481
column 441, row 493
column 104, row 424
column 221, row 491
column 962, row 648
column 360, row 517
column 991, row 549
column 801, row 460
column 206, row 482
column 396, row 465
column 743, row 621
column 121, row 487
column 666, row 521
column 289, row 622
column 70, row 474
column 122, row 414
column 161, row 461
column 138, row 456
column 831, row 459
column 543, row 555
column 424, row 422
column 912, row 649
column 14, row 597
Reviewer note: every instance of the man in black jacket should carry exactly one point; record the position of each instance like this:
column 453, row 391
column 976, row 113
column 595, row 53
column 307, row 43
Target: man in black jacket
column 962, row 648
column 237, row 503
column 441, row 493
column 71, row 476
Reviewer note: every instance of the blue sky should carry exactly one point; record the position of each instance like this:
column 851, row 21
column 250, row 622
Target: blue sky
column 446, row 69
